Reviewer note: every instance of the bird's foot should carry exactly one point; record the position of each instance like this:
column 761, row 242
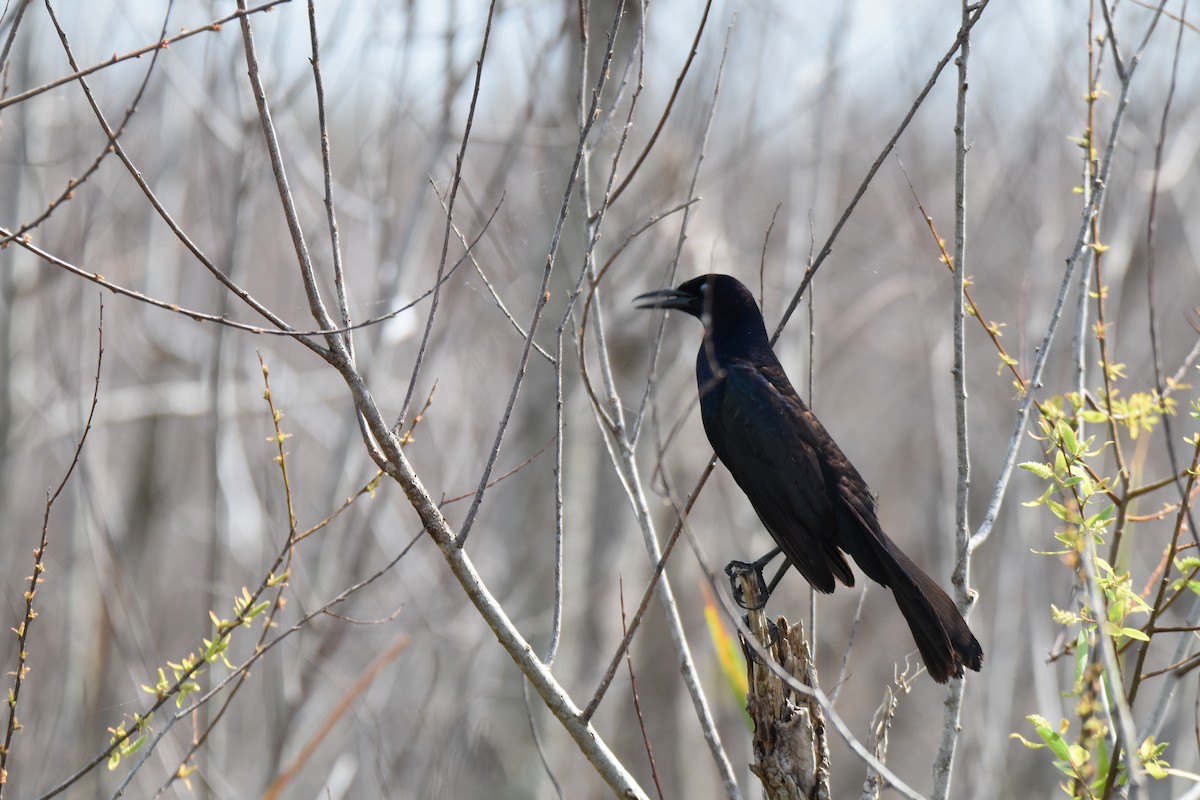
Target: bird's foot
column 772, row 635
column 765, row 644
column 736, row 570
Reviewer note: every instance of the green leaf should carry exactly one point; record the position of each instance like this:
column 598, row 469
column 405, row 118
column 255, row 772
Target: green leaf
column 1149, row 753
column 1135, row 633
column 1054, row 740
column 132, row 747
column 1100, row 518
column 1026, row 742
column 1043, row 471
column 1102, row 767
column 1070, row 443
column 1189, row 564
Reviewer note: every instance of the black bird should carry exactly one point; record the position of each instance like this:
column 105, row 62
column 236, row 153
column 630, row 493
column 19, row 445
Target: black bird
column 806, row 492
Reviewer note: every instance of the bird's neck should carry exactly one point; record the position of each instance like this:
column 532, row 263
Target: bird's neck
column 725, row 345
column 743, row 337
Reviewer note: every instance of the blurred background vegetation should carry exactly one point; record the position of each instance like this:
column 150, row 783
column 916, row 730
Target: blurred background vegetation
column 177, row 502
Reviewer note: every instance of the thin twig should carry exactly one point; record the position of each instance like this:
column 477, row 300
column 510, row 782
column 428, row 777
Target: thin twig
column 597, row 405
column 300, row 759
column 1151, row 725
column 276, row 602
column 9, row 40
column 543, row 293
column 662, row 121
column 39, row 566
column 336, row 344
column 976, row 12
column 1112, row 36
column 762, row 259
column 200, row 316
column 73, row 184
column 1092, row 206
column 136, row 174
column 990, row 328
column 455, row 182
column 335, row 246
column 647, row 595
column 1180, row 18
column 1151, row 263
column 275, row 577
column 637, row 703
column 470, row 253
column 162, row 44
column 537, row 742
column 241, row 670
column 844, row 670
column 497, row 480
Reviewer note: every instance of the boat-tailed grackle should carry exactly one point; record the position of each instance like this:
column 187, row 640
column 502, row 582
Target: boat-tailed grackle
column 809, row 496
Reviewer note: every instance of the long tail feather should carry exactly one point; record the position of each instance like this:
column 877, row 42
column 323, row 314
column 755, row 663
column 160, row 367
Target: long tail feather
column 946, row 643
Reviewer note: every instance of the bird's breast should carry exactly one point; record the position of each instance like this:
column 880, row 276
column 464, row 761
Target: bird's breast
column 710, row 383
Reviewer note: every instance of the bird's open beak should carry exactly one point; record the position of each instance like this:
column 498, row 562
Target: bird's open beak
column 665, row 298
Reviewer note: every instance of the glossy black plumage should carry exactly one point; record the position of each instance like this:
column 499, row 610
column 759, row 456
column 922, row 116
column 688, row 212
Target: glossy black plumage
column 806, row 492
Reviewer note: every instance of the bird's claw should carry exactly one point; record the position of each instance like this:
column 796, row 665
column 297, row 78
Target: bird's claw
column 772, row 639
column 772, row 635
column 735, row 570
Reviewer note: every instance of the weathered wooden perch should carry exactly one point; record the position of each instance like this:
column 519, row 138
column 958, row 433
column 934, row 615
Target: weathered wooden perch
column 790, row 754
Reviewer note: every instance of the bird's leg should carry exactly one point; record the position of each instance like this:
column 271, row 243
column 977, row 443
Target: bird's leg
column 787, row 563
column 734, row 568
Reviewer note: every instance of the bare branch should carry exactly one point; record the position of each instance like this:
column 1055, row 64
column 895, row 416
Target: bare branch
column 961, row 577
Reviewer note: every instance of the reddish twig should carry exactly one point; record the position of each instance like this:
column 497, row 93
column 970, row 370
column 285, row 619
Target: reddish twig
column 637, row 703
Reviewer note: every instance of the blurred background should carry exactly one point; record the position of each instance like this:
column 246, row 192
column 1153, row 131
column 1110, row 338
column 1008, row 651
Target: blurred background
column 177, row 502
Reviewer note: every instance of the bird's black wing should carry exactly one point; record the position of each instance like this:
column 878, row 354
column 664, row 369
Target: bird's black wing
column 766, row 438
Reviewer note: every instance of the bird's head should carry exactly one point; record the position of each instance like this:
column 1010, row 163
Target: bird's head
column 721, row 302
